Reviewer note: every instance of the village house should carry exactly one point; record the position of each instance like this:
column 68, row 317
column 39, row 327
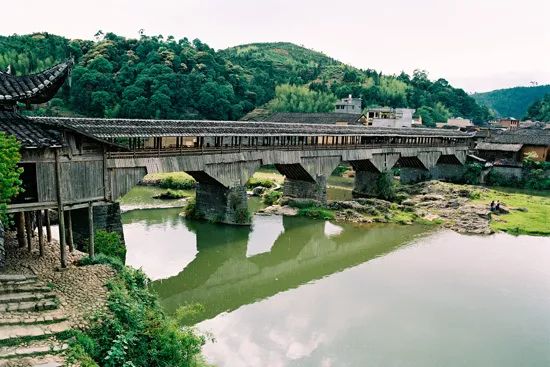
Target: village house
column 348, row 105
column 512, row 146
column 390, row 117
column 508, row 123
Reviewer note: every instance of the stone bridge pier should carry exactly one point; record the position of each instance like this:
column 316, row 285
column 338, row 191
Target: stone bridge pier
column 450, row 167
column 308, row 178
column 368, row 172
column 221, row 191
column 417, row 168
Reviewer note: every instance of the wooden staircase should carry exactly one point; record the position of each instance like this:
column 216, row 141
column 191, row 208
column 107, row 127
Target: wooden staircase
column 29, row 322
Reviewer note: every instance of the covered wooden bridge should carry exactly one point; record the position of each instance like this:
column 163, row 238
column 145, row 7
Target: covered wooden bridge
column 78, row 166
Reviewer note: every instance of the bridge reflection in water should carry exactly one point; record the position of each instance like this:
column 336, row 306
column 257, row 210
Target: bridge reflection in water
column 234, row 266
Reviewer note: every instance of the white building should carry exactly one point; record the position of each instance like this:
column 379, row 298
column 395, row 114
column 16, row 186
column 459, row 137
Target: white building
column 348, row 105
column 390, row 117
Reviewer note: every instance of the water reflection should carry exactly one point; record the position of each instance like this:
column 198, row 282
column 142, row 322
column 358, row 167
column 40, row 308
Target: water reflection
column 225, row 267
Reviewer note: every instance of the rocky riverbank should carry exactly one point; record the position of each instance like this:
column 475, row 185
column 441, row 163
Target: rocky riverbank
column 453, row 206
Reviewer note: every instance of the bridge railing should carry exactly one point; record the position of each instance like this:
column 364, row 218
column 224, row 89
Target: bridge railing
column 186, row 151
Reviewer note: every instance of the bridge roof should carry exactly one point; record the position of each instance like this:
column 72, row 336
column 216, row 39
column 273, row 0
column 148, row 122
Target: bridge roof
column 34, row 88
column 136, row 128
column 27, row 132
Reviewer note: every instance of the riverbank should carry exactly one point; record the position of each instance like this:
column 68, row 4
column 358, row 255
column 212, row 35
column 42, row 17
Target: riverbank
column 93, row 313
column 462, row 208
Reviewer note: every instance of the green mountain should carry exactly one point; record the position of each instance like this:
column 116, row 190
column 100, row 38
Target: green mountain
column 157, row 77
column 512, row 102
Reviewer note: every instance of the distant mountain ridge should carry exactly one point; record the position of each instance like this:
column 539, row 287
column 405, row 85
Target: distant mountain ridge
column 512, row 102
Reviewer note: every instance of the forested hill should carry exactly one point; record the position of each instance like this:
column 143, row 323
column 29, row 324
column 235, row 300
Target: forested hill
column 512, row 102
column 156, row 77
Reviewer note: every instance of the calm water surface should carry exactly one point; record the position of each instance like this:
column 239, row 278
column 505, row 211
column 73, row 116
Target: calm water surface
column 298, row 292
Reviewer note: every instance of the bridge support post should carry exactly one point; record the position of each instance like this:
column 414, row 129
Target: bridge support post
column 417, row 168
column 368, row 172
column 315, row 189
column 412, row 175
column 450, row 167
column 217, row 203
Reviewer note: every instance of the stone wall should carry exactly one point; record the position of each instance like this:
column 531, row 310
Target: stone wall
column 413, row 175
column 307, row 190
column 106, row 217
column 218, row 203
column 448, row 172
column 365, row 184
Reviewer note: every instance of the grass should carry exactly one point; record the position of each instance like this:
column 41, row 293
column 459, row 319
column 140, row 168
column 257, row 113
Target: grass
column 316, row 213
column 534, row 221
column 269, row 174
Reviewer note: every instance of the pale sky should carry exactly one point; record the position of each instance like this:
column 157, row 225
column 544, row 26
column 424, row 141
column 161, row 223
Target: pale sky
column 477, row 45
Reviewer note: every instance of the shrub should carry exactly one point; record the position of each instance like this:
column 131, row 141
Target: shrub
column 384, row 186
column 472, row 173
column 9, row 172
column 102, row 259
column 190, row 209
column 110, row 244
column 177, row 183
column 242, row 215
column 303, row 203
column 272, row 197
column 340, row 170
column 316, row 213
column 171, row 195
column 255, row 182
column 135, row 331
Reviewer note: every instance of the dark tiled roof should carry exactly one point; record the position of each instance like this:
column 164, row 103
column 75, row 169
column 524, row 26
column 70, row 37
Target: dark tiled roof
column 35, row 88
column 313, row 118
column 134, row 128
column 29, row 133
column 522, row 136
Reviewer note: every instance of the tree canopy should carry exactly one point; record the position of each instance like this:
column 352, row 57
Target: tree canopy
column 9, row 172
column 540, row 110
column 158, row 77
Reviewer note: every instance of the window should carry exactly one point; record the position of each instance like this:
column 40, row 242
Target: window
column 30, row 186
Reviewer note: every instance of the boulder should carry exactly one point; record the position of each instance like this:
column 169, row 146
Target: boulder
column 258, row 191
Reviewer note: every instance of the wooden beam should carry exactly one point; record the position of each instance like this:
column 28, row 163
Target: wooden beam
column 48, row 225
column 20, row 225
column 39, row 224
column 62, row 250
column 28, row 229
column 69, row 224
column 91, row 243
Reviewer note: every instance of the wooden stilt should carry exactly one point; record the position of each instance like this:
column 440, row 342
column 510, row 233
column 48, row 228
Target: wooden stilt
column 48, row 225
column 62, row 249
column 20, row 225
column 69, row 224
column 39, row 225
column 91, row 244
column 28, row 229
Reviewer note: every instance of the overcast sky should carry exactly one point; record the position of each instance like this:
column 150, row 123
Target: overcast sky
column 478, row 45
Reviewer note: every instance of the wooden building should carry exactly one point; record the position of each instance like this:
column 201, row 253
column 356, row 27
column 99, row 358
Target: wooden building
column 63, row 169
column 512, row 146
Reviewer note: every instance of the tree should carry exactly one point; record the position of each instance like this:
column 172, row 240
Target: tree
column 292, row 98
column 9, row 172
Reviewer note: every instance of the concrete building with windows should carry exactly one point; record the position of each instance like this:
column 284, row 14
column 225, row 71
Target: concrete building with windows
column 459, row 122
column 390, row 117
column 348, row 105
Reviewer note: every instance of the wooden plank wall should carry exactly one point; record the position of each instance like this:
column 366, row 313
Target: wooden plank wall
column 124, row 179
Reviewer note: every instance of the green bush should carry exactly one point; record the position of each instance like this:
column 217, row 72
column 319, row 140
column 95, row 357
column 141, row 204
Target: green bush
column 135, row 331
column 255, row 182
column 340, row 170
column 242, row 215
column 177, row 183
column 190, row 209
column 303, row 203
column 9, row 172
column 271, row 197
column 316, row 213
column 472, row 173
column 384, row 186
column 102, row 259
column 171, row 195
column 110, row 244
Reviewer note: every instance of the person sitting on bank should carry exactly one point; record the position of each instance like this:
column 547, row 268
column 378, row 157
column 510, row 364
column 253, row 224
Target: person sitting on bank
column 492, row 205
column 497, row 206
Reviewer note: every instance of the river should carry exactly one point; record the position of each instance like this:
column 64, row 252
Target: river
column 299, row 292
